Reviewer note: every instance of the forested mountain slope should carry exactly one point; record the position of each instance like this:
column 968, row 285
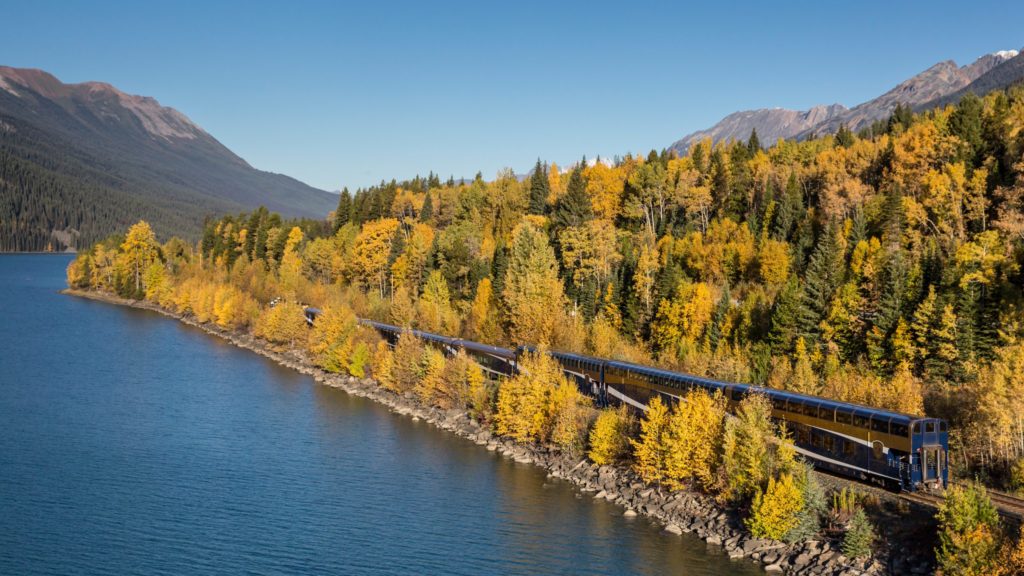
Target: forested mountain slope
column 80, row 161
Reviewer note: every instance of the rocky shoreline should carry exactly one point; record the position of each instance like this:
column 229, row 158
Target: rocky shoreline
column 679, row 512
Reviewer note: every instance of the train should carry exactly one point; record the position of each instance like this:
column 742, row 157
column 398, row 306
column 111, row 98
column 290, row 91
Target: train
column 894, row 450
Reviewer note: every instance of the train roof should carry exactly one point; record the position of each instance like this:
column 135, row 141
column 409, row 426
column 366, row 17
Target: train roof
column 772, row 393
column 485, row 348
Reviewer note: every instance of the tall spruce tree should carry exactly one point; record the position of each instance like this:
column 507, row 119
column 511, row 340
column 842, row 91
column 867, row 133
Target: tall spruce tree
column 427, row 212
column 573, row 208
column 753, row 143
column 823, row 276
column 540, row 189
column 343, row 213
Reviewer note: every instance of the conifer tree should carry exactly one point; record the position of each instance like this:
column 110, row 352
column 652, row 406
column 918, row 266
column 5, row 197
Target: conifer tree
column 540, row 189
column 753, row 143
column 823, row 276
column 573, row 208
column 427, row 212
column 343, row 213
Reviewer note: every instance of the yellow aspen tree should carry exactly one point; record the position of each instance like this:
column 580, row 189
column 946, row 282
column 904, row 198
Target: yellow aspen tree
column 775, row 510
column 650, row 451
column 330, row 340
column 609, row 438
column 695, row 436
column 139, row 250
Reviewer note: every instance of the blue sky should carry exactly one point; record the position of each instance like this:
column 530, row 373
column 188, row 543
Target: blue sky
column 345, row 94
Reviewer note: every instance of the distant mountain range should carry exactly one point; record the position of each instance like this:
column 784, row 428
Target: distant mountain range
column 80, row 161
column 941, row 84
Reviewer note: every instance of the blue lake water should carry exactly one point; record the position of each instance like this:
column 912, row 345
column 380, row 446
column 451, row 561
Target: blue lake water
column 133, row 444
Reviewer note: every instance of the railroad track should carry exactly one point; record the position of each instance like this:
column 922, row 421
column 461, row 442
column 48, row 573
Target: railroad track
column 1009, row 506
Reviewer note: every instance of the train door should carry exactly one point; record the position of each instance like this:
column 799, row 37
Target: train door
column 933, row 465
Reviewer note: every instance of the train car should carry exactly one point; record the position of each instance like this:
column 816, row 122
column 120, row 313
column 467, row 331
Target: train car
column 586, row 371
column 880, row 446
column 497, row 362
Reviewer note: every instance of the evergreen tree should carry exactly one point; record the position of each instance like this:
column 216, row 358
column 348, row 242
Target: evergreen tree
column 718, row 318
column 823, row 276
column 427, row 212
column 753, row 143
column 343, row 213
column 785, row 316
column 966, row 124
column 573, row 208
column 540, row 189
column 844, row 137
column 902, row 117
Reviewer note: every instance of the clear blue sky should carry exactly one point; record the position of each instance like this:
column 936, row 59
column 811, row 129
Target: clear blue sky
column 345, row 94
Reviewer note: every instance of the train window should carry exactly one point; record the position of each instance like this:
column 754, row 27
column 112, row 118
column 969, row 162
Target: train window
column 917, row 427
column 900, row 430
column 929, row 427
column 830, row 443
column 849, row 448
column 779, row 404
column 816, row 440
column 860, row 421
column 942, row 425
column 880, row 426
column 825, row 413
column 737, row 394
column 844, row 417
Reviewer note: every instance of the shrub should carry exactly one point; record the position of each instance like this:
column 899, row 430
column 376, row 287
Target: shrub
column 775, row 510
column 609, row 438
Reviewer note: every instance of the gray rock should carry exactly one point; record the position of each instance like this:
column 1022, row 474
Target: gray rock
column 673, row 529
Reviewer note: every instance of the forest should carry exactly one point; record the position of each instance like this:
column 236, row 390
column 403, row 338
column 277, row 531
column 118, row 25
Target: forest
column 881, row 268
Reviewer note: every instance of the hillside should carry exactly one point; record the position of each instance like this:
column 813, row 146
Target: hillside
column 80, row 161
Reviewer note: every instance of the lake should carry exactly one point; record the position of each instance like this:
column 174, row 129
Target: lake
column 133, row 444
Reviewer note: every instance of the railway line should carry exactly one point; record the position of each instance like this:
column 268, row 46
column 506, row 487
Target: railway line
column 1008, row 505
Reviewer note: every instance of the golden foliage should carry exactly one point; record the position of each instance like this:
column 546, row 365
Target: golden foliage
column 775, row 509
column 609, row 438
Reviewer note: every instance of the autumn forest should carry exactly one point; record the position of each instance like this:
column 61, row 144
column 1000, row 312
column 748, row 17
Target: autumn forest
column 881, row 268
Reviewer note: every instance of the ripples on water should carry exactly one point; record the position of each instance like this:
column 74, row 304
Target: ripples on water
column 133, row 444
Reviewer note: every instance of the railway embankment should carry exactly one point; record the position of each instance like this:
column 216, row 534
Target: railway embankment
column 903, row 531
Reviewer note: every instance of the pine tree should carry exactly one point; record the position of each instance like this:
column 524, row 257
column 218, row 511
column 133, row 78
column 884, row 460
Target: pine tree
column 785, row 317
column 844, row 137
column 753, row 143
column 343, row 213
column 427, row 212
column 573, row 208
column 718, row 318
column 540, row 189
column 859, row 536
column 823, row 277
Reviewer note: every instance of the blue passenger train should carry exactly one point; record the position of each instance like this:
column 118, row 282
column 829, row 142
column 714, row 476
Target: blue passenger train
column 872, row 445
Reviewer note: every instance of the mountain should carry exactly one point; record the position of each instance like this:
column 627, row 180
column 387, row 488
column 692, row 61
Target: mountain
column 770, row 123
column 1008, row 71
column 81, row 161
column 937, row 84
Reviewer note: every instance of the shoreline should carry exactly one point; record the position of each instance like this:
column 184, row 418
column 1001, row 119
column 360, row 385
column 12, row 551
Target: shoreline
column 677, row 512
